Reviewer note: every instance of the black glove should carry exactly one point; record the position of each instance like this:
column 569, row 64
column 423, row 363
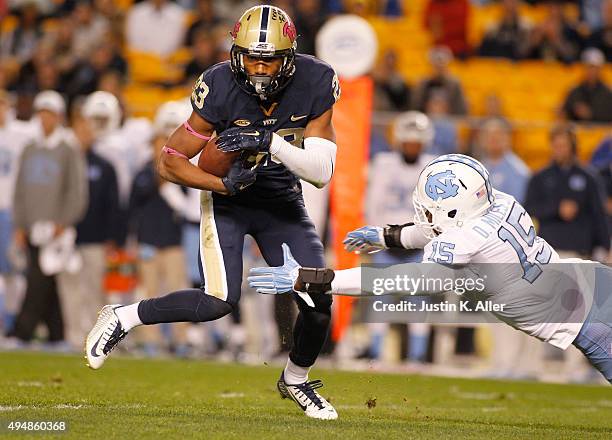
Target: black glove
column 254, row 140
column 238, row 178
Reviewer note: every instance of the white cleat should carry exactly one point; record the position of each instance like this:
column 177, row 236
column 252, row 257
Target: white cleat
column 105, row 336
column 307, row 398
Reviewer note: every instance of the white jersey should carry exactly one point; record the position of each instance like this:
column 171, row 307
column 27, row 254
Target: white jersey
column 128, row 149
column 14, row 136
column 505, row 234
column 390, row 187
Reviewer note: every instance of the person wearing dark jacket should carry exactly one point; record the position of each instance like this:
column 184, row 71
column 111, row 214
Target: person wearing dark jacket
column 591, row 100
column 82, row 292
column 567, row 200
column 156, row 222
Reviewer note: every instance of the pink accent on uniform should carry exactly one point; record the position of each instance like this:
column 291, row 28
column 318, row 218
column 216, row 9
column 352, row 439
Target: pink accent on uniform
column 195, row 133
column 173, row 152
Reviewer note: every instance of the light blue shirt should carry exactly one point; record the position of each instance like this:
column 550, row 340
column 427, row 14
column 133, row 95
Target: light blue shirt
column 510, row 175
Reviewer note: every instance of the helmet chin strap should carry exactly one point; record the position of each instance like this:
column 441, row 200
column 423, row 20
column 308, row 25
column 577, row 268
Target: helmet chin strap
column 261, row 83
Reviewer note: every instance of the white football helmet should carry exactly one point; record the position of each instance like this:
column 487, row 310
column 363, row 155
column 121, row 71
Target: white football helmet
column 103, row 109
column 413, row 127
column 451, row 190
column 170, row 115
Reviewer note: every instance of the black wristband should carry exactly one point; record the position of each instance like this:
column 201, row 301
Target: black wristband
column 393, row 235
column 314, row 280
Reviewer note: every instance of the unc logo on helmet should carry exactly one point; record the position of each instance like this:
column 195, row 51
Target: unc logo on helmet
column 441, row 186
column 450, row 192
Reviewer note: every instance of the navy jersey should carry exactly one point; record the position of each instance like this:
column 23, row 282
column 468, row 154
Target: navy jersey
column 219, row 99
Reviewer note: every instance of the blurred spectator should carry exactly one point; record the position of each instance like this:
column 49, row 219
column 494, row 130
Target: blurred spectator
column 104, row 113
column 508, row 38
column 445, row 138
column 109, row 9
column 590, row 13
column 81, row 292
column 508, row 173
column 22, row 41
column 14, row 135
column 63, row 45
column 591, row 100
column 393, row 174
column 602, row 162
column 602, row 38
column 493, row 106
column 157, row 227
column 85, row 77
column 555, row 38
column 40, row 72
column 391, row 92
column 392, row 178
column 204, row 53
column 447, row 20
column 441, row 79
column 112, row 81
column 205, row 21
column 50, row 187
column 89, row 27
column 568, row 201
column 144, row 22
column 308, row 19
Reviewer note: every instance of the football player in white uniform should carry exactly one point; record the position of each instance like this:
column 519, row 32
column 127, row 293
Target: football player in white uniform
column 462, row 224
column 14, row 136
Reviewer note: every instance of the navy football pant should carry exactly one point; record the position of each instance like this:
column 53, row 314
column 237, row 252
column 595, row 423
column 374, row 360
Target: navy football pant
column 223, row 227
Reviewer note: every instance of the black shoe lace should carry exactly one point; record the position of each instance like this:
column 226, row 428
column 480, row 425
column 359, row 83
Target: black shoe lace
column 116, row 337
column 308, row 389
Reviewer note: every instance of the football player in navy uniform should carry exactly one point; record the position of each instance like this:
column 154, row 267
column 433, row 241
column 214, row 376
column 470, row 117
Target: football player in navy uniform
column 276, row 108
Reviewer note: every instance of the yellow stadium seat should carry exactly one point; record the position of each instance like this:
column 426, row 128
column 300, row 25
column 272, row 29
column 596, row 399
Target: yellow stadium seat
column 149, row 68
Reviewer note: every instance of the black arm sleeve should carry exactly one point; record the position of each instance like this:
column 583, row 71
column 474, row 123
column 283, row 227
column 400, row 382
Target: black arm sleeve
column 393, row 235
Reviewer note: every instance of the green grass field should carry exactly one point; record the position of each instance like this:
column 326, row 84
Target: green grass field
column 168, row 399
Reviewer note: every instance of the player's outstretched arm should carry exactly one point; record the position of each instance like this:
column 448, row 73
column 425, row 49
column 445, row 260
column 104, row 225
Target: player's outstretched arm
column 183, row 144
column 292, row 277
column 371, row 239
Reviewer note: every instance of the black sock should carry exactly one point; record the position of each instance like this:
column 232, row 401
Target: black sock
column 189, row 305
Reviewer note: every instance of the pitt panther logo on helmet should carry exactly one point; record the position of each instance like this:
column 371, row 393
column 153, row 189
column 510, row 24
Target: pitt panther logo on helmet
column 289, row 31
column 441, row 186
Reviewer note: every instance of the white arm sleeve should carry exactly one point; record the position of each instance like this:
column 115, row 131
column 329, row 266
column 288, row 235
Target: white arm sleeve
column 314, row 164
column 347, row 282
column 412, row 237
column 416, row 279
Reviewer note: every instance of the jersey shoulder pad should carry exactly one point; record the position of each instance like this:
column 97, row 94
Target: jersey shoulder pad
column 321, row 81
column 210, row 92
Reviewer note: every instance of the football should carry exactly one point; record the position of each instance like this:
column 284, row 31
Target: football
column 214, row 161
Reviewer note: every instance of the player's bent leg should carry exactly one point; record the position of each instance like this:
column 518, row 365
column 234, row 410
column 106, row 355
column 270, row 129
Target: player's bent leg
column 595, row 342
column 312, row 325
column 115, row 321
column 189, row 305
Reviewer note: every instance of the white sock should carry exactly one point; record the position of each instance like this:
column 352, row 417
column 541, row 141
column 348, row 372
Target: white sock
column 128, row 316
column 294, row 374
